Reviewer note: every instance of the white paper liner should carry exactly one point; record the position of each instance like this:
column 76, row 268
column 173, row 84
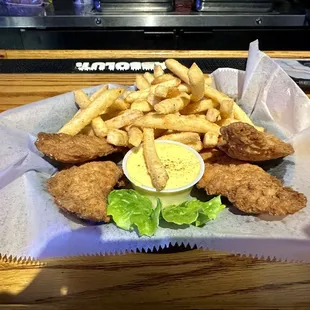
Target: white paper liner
column 32, row 225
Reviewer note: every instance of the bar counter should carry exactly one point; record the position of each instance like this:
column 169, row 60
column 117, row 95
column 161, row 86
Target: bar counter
column 191, row 279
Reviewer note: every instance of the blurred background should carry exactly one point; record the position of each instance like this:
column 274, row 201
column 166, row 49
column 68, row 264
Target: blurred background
column 154, row 24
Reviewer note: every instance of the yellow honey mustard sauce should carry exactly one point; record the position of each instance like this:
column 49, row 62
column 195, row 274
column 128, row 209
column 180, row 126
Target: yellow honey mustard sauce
column 181, row 165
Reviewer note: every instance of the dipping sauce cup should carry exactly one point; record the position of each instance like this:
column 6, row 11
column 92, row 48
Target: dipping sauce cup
column 184, row 165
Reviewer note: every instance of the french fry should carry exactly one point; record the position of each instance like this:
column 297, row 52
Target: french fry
column 136, row 95
column 196, row 82
column 135, row 136
column 197, row 146
column 176, row 122
column 175, row 82
column 117, row 137
column 218, row 97
column 99, row 127
column 227, row 121
column 173, row 92
column 240, row 115
column 78, row 122
column 156, row 170
column 197, row 107
column 126, row 93
column 226, row 108
column 124, row 119
column 98, row 93
column 197, row 116
column 262, row 129
column 208, row 80
column 88, row 130
column 142, row 94
column 162, row 91
column 159, row 132
column 183, row 137
column 210, row 140
column 110, row 114
column 120, row 104
column 178, row 69
column 91, row 132
column 163, row 78
column 215, row 95
column 211, row 154
column 158, row 71
column 97, row 124
column 213, row 115
column 141, row 105
column 152, row 99
column 149, row 77
column 127, row 127
column 181, row 111
column 184, row 88
column 141, row 82
column 81, row 99
column 172, row 105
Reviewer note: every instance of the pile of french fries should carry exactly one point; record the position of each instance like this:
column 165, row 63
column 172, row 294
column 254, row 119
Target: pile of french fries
column 179, row 106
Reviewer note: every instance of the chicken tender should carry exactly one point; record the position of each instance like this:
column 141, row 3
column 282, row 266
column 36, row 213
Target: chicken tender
column 248, row 187
column 242, row 141
column 83, row 190
column 73, row 149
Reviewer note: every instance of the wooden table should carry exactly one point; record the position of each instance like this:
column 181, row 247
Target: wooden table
column 194, row 279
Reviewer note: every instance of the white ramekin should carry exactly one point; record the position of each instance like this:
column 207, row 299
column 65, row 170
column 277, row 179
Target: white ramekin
column 167, row 196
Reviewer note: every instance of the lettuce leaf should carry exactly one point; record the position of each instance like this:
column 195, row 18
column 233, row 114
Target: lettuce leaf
column 193, row 212
column 185, row 213
column 131, row 210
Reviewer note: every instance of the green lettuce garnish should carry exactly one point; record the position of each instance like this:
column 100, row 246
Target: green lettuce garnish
column 193, row 212
column 131, row 210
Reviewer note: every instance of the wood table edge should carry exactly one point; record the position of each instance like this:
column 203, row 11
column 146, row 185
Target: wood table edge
column 67, row 54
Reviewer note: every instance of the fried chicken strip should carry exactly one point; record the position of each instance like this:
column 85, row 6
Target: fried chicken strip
column 248, row 187
column 73, row 149
column 243, row 141
column 83, row 190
